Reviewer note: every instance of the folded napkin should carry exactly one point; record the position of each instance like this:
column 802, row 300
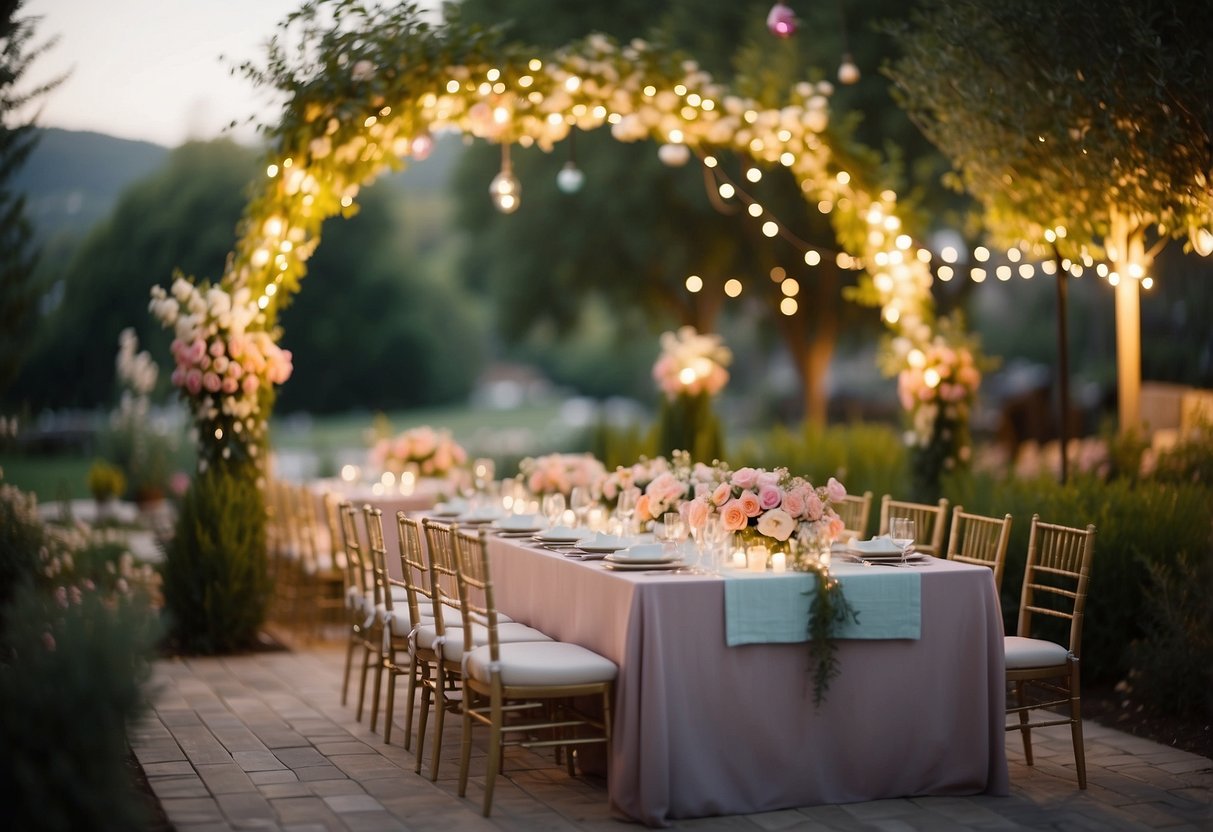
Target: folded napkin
column 765, row 608
column 875, row 546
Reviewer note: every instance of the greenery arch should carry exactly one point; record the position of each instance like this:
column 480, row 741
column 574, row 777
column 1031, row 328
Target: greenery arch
column 367, row 87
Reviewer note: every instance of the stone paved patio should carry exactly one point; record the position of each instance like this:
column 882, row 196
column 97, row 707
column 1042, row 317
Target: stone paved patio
column 263, row 742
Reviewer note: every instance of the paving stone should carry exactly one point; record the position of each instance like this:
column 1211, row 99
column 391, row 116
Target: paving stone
column 326, row 772
column 284, row 775
column 159, row 753
column 183, row 810
column 170, row 768
column 299, row 757
column 336, row 749
column 343, row 803
column 295, row 789
column 225, row 778
column 329, row 788
column 257, row 760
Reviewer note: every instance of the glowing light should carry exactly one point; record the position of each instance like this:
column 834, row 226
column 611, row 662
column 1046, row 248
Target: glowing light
column 903, row 241
column 1102, row 270
column 1014, row 255
column 755, row 209
column 687, row 376
column 732, row 287
column 930, row 377
column 1147, row 283
column 778, row 274
column 1003, row 272
column 892, row 314
column 787, row 158
column 812, row 257
column 981, row 254
column 218, row 433
column 271, row 171
column 1027, row 271
column 1136, row 271
column 726, row 190
column 923, row 255
column 572, row 83
column 676, row 136
column 694, row 284
column 788, row 306
column 825, row 206
column 534, row 65
column 842, row 177
column 709, row 161
column 945, row 273
column 753, row 174
column 949, row 254
column 1113, row 278
column 916, row 359
column 790, row 287
column 649, row 91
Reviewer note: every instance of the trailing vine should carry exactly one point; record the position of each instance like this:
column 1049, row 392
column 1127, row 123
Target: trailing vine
column 828, row 609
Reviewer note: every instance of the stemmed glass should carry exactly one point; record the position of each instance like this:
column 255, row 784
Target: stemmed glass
column 673, row 530
column 580, row 502
column 711, row 536
column 626, row 507
column 903, row 532
column 553, row 508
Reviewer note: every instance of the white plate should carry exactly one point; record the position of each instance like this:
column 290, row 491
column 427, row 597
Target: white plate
column 562, row 534
column 603, row 544
column 649, row 553
column 877, row 547
column 616, row 566
column 519, row 523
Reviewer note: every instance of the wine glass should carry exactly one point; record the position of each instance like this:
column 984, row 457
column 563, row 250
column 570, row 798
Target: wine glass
column 713, row 535
column 673, row 530
column 553, row 508
column 580, row 502
column 903, row 531
column 626, row 507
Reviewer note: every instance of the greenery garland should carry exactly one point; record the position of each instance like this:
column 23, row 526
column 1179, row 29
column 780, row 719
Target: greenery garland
column 829, row 608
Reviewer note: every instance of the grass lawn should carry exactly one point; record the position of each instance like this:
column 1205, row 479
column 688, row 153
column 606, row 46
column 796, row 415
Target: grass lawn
column 57, row 477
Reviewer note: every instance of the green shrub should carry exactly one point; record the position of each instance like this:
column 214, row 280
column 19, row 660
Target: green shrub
column 73, row 662
column 1172, row 666
column 21, row 538
column 216, row 588
column 1137, row 524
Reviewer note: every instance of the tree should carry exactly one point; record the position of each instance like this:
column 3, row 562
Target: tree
column 1084, row 128
column 640, row 228
column 18, row 292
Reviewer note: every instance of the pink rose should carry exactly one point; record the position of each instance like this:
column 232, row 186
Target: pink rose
column 230, row 385
column 249, row 385
column 196, row 351
column 193, row 381
column 768, row 478
column 644, row 508
column 733, row 516
column 812, row 506
column 835, row 490
column 695, row 512
column 216, row 349
column 769, row 496
column 749, row 503
column 777, row 524
column 745, row 477
column 178, row 377
column 793, row 502
column 721, row 495
column 211, row 382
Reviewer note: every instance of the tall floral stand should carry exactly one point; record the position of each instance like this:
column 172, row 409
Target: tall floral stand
column 687, row 422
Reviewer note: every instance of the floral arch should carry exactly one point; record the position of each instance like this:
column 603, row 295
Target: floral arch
column 373, row 86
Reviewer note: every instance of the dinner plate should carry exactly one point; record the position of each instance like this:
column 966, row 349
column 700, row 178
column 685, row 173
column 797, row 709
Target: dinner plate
column 877, row 547
column 561, row 534
column 648, row 553
column 519, row 523
column 602, row 545
column 617, row 566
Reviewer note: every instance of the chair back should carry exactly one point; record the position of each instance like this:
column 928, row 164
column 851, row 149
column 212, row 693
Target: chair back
column 332, row 525
column 854, row 512
column 929, row 521
column 981, row 540
column 476, row 589
column 356, row 579
column 415, row 566
column 444, row 571
column 378, row 557
column 1055, row 577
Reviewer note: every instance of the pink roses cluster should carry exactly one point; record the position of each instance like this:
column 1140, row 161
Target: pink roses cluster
column 561, row 473
column 691, row 363
column 773, row 503
column 229, row 367
column 433, row 452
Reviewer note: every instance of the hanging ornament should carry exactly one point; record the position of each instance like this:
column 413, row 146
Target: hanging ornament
column 781, row 20
column 674, row 155
column 505, row 189
column 848, row 72
column 570, row 179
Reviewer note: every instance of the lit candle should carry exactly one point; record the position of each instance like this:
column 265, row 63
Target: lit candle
column 779, row 562
column 756, row 558
column 739, row 559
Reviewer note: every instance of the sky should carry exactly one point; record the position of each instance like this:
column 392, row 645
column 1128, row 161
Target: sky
column 152, row 69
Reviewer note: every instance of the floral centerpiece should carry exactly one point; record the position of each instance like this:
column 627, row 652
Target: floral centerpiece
column 428, row 452
column 938, row 385
column 226, row 364
column 689, row 371
column 561, row 473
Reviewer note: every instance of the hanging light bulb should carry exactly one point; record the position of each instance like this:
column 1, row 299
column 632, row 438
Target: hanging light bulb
column 1202, row 241
column 781, row 20
column 505, row 189
column 674, row 155
column 570, row 179
column 848, row 72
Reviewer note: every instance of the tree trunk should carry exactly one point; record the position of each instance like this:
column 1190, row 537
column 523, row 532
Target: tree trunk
column 1126, row 248
column 814, row 364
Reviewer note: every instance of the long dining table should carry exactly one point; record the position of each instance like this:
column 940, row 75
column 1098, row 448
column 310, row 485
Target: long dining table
column 702, row 728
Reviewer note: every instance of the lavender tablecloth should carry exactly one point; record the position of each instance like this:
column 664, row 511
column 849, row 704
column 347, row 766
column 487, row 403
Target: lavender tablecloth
column 705, row 729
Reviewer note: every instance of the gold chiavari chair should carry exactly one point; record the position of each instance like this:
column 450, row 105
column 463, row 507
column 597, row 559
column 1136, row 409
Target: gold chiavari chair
column 854, row 512
column 929, row 520
column 415, row 568
column 393, row 624
column 356, row 597
column 445, row 638
column 504, row 680
column 981, row 540
column 1055, row 582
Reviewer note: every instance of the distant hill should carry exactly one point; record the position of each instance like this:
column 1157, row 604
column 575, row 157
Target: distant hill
column 73, row 178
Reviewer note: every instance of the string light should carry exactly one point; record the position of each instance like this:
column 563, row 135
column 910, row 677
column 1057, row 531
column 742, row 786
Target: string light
column 505, row 189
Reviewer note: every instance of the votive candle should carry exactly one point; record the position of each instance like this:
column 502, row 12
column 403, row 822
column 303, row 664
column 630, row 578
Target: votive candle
column 739, row 559
column 779, row 562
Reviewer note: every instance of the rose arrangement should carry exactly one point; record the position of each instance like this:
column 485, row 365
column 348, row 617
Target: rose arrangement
column 433, row 452
column 691, row 363
column 226, row 363
column 561, row 473
column 638, row 474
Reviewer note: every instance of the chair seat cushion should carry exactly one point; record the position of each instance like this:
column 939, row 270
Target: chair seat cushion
column 452, row 648
column 1022, row 653
column 401, row 626
column 542, row 663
